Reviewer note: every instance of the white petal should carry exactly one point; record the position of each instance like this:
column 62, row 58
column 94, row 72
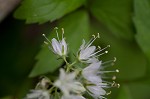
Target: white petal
column 64, row 44
column 92, row 60
column 96, row 90
column 56, row 46
column 77, row 87
column 85, row 54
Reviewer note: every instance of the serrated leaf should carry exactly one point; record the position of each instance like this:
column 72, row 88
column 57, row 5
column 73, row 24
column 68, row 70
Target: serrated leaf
column 142, row 24
column 76, row 27
column 115, row 15
column 131, row 62
column 45, row 10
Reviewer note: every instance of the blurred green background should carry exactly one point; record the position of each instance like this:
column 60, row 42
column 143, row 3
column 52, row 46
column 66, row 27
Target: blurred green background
column 123, row 24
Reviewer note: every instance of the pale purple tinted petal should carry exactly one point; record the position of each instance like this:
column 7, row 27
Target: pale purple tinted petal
column 56, row 46
column 96, row 90
column 85, row 54
column 64, row 44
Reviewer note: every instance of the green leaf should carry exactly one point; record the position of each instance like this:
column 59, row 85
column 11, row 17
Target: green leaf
column 115, row 15
column 130, row 60
column 45, row 10
column 135, row 90
column 140, row 90
column 47, row 62
column 124, row 93
column 142, row 24
column 76, row 27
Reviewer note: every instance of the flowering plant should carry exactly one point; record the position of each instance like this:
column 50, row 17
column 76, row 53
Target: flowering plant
column 74, row 82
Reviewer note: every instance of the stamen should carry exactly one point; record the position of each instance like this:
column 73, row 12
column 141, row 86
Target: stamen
column 114, row 84
column 118, row 85
column 46, row 38
column 98, row 36
column 46, row 43
column 108, row 93
column 62, row 32
column 101, row 54
column 106, row 77
column 101, row 72
column 109, row 62
column 107, row 65
column 99, row 47
column 93, row 36
column 90, row 43
column 57, row 33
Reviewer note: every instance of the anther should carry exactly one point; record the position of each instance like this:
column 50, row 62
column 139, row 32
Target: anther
column 46, row 38
column 114, row 78
column 108, row 45
column 118, row 85
column 115, row 59
column 106, row 51
column 99, row 47
column 93, row 36
column 117, row 70
column 62, row 30
column 113, row 84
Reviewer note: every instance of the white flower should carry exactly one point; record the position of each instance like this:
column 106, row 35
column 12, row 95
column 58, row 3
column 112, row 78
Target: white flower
column 59, row 47
column 38, row 94
column 94, row 84
column 90, row 73
column 96, row 91
column 88, row 53
column 72, row 97
column 67, row 83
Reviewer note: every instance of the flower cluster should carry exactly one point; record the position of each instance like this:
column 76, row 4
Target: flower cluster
column 74, row 82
